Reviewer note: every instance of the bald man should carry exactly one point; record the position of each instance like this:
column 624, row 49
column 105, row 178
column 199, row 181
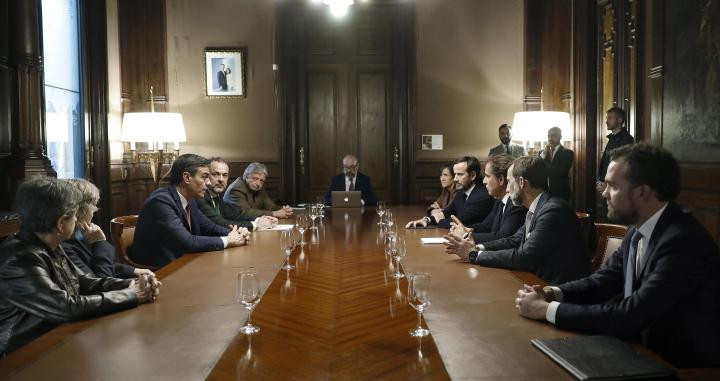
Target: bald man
column 352, row 180
column 558, row 160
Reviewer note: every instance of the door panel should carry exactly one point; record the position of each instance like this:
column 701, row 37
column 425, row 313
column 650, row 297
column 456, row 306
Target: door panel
column 322, row 125
column 372, row 121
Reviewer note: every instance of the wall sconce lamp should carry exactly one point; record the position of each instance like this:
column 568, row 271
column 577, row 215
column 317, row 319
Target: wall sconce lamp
column 157, row 129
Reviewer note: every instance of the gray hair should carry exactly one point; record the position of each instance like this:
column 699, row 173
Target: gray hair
column 254, row 168
column 42, row 201
column 90, row 197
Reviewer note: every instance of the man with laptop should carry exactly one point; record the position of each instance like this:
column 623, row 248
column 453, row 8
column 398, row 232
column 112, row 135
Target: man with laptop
column 350, row 188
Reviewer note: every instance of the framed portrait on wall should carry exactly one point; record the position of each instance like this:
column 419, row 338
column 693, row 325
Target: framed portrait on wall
column 225, row 72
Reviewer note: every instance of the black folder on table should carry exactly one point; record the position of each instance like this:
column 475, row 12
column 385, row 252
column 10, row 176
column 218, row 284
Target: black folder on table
column 602, row 358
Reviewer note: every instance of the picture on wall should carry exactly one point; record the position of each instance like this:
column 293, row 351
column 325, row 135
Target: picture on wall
column 225, row 72
column 432, row 142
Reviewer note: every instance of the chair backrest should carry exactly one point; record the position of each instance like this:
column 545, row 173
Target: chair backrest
column 609, row 238
column 586, row 229
column 123, row 231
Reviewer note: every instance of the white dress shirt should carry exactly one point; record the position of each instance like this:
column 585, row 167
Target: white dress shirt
column 646, row 229
column 184, row 203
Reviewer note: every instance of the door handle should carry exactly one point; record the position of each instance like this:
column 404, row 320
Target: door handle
column 396, row 156
column 302, row 160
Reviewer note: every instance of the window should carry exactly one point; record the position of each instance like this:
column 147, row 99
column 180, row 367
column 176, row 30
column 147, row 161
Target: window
column 64, row 129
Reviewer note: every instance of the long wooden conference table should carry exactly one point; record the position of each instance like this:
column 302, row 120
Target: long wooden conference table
column 339, row 315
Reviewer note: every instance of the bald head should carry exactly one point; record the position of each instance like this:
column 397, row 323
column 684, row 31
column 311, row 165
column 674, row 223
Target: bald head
column 350, row 165
column 554, row 136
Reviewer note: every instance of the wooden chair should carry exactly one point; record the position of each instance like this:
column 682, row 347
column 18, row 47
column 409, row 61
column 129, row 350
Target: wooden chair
column 609, row 239
column 586, row 229
column 123, row 231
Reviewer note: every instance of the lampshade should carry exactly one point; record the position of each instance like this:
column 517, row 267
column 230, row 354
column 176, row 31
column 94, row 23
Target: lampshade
column 533, row 126
column 153, row 127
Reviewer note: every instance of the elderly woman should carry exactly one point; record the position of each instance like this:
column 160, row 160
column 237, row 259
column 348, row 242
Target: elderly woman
column 448, row 188
column 247, row 194
column 39, row 286
column 88, row 248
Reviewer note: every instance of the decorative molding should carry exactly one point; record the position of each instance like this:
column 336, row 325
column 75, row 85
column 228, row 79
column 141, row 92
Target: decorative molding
column 656, row 72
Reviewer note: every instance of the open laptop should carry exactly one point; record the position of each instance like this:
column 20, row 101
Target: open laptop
column 343, row 199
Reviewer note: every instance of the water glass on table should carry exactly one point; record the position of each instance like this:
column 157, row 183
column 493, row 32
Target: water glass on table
column 287, row 244
column 419, row 298
column 248, row 295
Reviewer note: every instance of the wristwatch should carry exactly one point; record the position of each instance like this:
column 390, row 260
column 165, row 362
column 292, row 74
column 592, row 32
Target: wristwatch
column 473, row 255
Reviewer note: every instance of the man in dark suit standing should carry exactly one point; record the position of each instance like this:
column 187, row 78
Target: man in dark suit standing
column 505, row 217
column 352, row 180
column 170, row 223
column 558, row 160
column 506, row 145
column 618, row 137
column 549, row 244
column 471, row 204
column 661, row 286
column 222, row 78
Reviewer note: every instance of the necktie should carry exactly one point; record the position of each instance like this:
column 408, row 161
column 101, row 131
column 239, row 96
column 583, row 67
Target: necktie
column 507, row 148
column 352, row 185
column 498, row 220
column 187, row 216
column 630, row 271
column 528, row 220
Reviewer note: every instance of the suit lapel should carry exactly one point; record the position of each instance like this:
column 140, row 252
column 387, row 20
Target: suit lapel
column 538, row 208
column 665, row 219
column 178, row 207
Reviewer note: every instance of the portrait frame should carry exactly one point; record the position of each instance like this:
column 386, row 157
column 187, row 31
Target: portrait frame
column 232, row 63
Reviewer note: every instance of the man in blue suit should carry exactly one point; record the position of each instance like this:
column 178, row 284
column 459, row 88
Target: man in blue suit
column 170, row 223
column 351, row 180
column 661, row 286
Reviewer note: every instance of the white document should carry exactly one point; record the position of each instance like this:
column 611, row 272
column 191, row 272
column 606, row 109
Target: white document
column 280, row 227
column 432, row 240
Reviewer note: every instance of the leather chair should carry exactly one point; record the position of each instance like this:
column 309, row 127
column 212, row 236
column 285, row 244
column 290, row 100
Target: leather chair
column 122, row 230
column 586, row 229
column 609, row 239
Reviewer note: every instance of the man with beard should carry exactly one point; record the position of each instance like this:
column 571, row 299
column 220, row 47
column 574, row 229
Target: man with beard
column 218, row 211
column 471, row 204
column 549, row 244
column 506, row 146
column 660, row 287
column 618, row 137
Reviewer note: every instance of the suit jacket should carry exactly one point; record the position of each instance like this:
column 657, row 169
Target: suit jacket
column 162, row 233
column 558, row 172
column 41, row 288
column 674, row 308
column 362, row 184
column 469, row 211
column 554, row 251
column 97, row 258
column 222, row 213
column 252, row 204
column 500, row 223
column 222, row 80
column 516, row 150
column 614, row 141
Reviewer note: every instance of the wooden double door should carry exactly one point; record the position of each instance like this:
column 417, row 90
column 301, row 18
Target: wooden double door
column 345, row 86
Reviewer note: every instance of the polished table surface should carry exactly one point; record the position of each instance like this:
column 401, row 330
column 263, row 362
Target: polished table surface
column 338, row 316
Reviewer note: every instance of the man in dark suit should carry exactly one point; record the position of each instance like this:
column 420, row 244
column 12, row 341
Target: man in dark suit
column 471, row 204
column 549, row 244
column 224, row 214
column 170, row 223
column 352, row 180
column 661, row 286
column 505, row 217
column 506, row 145
column 558, row 160
column 222, row 78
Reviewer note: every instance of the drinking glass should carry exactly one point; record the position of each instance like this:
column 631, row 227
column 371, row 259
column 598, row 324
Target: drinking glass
column 419, row 298
column 313, row 213
column 380, row 209
column 398, row 252
column 287, row 244
column 248, row 294
column 389, row 219
column 301, row 224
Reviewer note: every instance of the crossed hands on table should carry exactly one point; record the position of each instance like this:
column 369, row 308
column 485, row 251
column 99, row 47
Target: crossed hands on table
column 146, row 286
column 532, row 301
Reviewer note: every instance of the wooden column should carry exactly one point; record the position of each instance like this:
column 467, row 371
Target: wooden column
column 27, row 126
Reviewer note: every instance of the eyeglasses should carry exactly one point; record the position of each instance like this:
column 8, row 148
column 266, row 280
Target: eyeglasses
column 350, row 167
